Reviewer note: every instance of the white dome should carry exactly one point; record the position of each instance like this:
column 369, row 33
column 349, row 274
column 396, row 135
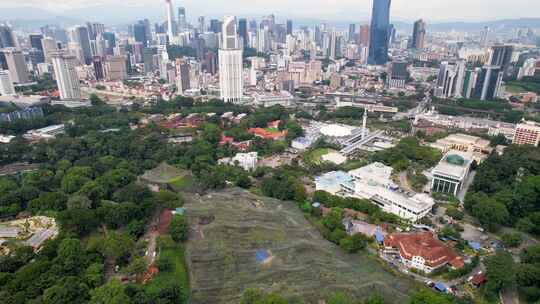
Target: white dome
column 336, row 131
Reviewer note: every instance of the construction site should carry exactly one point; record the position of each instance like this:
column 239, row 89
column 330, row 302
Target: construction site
column 239, row 240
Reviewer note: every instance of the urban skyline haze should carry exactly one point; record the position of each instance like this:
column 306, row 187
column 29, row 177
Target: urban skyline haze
column 432, row 10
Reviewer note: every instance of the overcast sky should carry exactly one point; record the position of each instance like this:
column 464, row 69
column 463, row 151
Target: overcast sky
column 434, row 10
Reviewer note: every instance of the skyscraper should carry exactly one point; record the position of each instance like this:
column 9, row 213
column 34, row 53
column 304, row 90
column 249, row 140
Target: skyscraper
column 182, row 75
column 66, row 76
column 6, row 37
column 6, row 85
column 230, row 63
column 488, row 83
column 501, row 55
column 289, row 27
column 139, row 33
column 202, row 24
column 380, row 25
column 215, row 26
column 182, row 21
column 242, row 31
column 81, row 36
column 17, row 66
column 49, row 47
column 170, row 18
column 352, row 32
column 35, row 43
column 419, row 35
column 363, row 37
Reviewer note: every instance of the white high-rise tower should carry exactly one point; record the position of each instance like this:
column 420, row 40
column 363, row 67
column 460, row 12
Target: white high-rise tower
column 231, row 78
column 170, row 18
column 6, row 85
column 66, row 76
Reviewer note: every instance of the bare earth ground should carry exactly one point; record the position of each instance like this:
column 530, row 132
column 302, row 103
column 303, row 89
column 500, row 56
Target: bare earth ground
column 230, row 226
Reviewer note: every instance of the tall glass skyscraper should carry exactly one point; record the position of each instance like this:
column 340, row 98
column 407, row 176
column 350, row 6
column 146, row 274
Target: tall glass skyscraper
column 380, row 23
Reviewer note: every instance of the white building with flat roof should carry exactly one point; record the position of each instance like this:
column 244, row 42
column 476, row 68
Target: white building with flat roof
column 374, row 182
column 246, row 161
column 451, row 172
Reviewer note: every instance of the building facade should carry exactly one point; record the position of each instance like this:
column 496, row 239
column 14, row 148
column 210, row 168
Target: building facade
column 380, row 30
column 231, row 78
column 66, row 76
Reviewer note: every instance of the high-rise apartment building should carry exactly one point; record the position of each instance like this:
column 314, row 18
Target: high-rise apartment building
column 527, row 133
column 16, row 66
column 501, row 55
column 6, row 85
column 230, row 63
column 397, row 74
column 66, row 76
column 182, row 75
column 450, row 79
column 380, row 30
column 419, row 35
column 115, row 68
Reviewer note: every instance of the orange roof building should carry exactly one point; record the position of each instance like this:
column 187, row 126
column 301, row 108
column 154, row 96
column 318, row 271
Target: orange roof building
column 422, row 251
column 268, row 134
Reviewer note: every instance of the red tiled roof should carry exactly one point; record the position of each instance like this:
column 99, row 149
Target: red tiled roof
column 266, row 134
column 433, row 251
column 479, row 279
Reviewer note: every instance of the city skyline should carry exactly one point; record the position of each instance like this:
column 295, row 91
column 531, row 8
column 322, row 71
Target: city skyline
column 435, row 11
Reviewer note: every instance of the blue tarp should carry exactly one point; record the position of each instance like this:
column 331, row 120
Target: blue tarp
column 379, row 236
column 261, row 256
column 474, row 245
column 179, row 211
column 440, row 287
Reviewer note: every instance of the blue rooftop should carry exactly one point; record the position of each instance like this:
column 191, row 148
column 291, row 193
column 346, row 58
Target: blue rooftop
column 441, row 287
column 474, row 245
column 379, row 236
column 335, row 178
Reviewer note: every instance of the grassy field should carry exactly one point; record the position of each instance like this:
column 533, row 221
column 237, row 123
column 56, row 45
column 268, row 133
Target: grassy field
column 353, row 164
column 177, row 274
column 234, row 225
column 182, row 183
column 314, row 157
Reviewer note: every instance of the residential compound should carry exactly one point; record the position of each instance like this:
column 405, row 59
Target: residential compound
column 373, row 182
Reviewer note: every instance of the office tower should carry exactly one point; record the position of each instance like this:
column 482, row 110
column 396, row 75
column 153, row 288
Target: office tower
column 3, row 62
column 202, row 24
column 139, row 33
column 6, row 85
column 110, row 38
column 379, row 36
column 182, row 75
column 450, row 80
column 397, row 74
column 469, row 83
column 148, row 60
column 7, row 39
column 35, row 41
column 230, row 63
column 49, row 47
column 484, row 36
column 352, row 32
column 243, row 31
column 95, row 29
column 289, row 27
column 17, row 66
column 391, row 34
column 170, row 18
column 501, row 55
column 182, row 21
column 115, row 68
column 81, row 36
column 488, row 84
column 66, row 76
column 363, row 37
column 215, row 26
column 419, row 35
column 97, row 62
column 263, row 40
